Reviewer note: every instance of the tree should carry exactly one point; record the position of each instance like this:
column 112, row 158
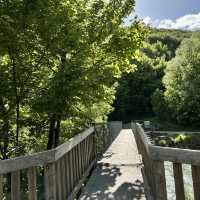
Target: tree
column 182, row 82
column 60, row 60
column 19, row 62
column 136, row 88
column 92, row 50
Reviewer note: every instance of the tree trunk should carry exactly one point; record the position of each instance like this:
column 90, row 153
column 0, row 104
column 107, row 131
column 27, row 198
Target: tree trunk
column 5, row 130
column 54, row 132
column 57, row 133
column 17, row 120
column 51, row 132
column 17, row 100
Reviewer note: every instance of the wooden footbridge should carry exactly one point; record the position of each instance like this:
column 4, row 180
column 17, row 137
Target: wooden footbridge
column 103, row 162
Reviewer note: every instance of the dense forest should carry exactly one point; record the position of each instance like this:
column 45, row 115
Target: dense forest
column 165, row 82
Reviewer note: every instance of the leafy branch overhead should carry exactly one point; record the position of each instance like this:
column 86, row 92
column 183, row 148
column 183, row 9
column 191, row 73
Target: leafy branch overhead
column 59, row 61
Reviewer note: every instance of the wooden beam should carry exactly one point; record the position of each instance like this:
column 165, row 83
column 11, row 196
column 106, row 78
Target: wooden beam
column 43, row 158
column 160, row 182
column 32, row 184
column 178, row 179
column 1, row 187
column 15, row 185
column 196, row 181
column 175, row 155
column 50, row 181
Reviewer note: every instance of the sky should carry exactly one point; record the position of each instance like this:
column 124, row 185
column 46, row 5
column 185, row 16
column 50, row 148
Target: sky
column 172, row 14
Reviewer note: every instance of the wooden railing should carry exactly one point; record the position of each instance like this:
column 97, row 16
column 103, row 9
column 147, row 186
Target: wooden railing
column 64, row 169
column 57, row 174
column 154, row 170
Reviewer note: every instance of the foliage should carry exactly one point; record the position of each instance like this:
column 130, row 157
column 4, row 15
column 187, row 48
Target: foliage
column 171, row 39
column 59, row 66
column 136, row 88
column 179, row 140
column 160, row 107
column 182, row 82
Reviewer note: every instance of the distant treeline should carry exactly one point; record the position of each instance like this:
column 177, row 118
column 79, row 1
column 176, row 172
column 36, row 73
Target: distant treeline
column 157, row 87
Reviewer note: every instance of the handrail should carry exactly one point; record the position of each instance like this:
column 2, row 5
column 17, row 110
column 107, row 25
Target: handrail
column 178, row 155
column 61, row 171
column 44, row 157
column 154, row 169
column 175, row 155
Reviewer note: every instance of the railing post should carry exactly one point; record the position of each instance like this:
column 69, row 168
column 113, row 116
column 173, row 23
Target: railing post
column 160, row 182
column 1, row 187
column 32, row 184
column 196, row 181
column 59, row 179
column 15, row 185
column 50, row 181
column 178, row 179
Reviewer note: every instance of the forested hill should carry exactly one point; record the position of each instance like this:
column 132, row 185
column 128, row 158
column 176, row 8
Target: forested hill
column 140, row 94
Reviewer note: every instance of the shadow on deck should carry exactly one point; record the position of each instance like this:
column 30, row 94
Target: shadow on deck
column 107, row 178
column 118, row 174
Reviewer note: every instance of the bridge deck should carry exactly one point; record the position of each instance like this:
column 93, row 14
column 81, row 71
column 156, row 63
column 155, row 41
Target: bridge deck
column 118, row 175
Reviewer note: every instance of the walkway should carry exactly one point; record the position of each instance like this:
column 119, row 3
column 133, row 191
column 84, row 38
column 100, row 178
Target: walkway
column 118, row 175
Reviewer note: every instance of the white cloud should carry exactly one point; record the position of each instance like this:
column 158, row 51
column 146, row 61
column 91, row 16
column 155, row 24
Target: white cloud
column 187, row 22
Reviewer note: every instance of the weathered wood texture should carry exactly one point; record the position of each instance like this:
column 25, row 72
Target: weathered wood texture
column 15, row 185
column 160, row 182
column 32, row 184
column 50, row 181
column 43, row 158
column 143, row 148
column 154, row 157
column 178, row 179
column 196, row 181
column 1, row 187
column 67, row 174
column 65, row 168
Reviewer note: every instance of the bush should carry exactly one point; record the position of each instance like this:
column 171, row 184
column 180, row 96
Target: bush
column 182, row 82
column 159, row 105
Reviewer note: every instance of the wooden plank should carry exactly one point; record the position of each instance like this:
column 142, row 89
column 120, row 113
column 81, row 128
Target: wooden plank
column 32, row 184
column 59, row 180
column 75, row 165
column 87, row 151
column 143, row 137
column 91, row 148
column 82, row 157
column 79, row 161
column 50, row 181
column 71, row 170
column 80, row 183
column 94, row 146
column 42, row 158
column 23, row 162
column 67, row 170
column 64, row 181
column 175, row 155
column 196, row 181
column 178, row 179
column 1, row 187
column 160, row 182
column 15, row 185
column 70, row 144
